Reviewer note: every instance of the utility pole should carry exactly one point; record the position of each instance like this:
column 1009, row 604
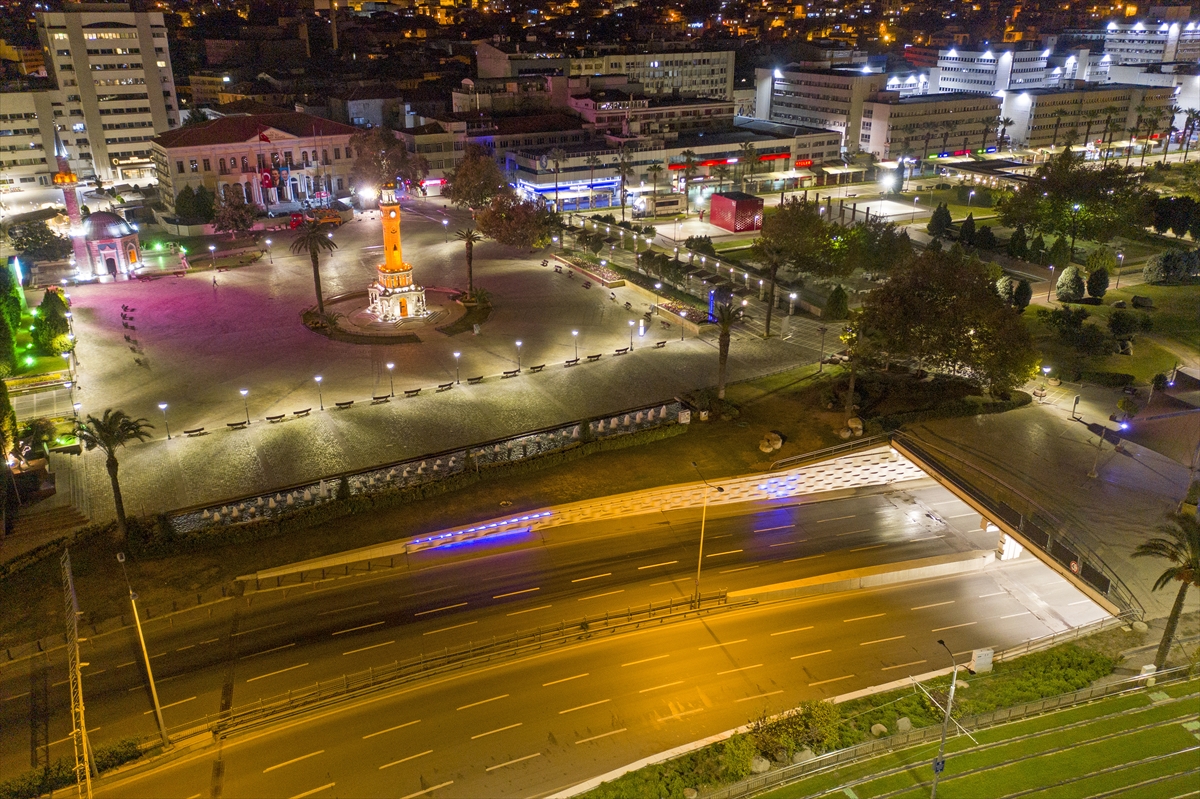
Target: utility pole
column 939, row 765
column 137, row 622
column 83, row 761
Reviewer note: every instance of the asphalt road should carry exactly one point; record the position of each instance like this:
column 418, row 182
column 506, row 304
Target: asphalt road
column 265, row 644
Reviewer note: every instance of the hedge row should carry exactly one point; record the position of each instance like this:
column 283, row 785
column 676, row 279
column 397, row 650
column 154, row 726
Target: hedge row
column 61, row 773
column 955, row 408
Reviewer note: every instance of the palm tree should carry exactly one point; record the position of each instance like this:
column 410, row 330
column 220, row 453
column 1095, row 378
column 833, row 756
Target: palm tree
column 1189, row 128
column 624, row 166
column 1005, row 123
column 1182, row 549
column 721, row 173
column 929, row 128
column 747, row 161
column 689, row 171
column 726, row 315
column 112, row 430
column 947, row 127
column 1057, row 122
column 1090, row 117
column 1110, row 126
column 655, row 170
column 772, row 256
column 469, row 238
column 592, row 162
column 557, row 156
column 1167, row 138
column 311, row 238
column 987, row 129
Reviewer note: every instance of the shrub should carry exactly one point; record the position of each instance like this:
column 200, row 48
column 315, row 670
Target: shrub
column 1005, row 287
column 1123, row 324
column 10, row 298
column 1172, row 266
column 1070, row 284
column 736, row 757
column 1037, row 250
column 1102, row 257
column 1018, row 244
column 811, row 724
column 1097, row 283
column 966, row 231
column 1107, row 379
column 701, row 244
column 985, row 239
column 939, row 221
column 50, row 327
column 8, row 352
column 1022, row 294
column 61, row 773
column 837, row 305
column 1060, row 253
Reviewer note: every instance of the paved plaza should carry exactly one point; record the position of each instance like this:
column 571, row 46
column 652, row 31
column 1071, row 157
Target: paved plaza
column 194, row 345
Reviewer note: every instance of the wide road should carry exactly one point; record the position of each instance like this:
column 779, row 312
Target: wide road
column 238, row 651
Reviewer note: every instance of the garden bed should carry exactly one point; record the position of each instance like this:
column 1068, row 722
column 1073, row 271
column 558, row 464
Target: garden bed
column 601, row 274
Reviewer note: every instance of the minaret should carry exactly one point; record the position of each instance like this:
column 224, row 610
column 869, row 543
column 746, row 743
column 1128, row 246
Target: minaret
column 67, row 181
column 393, row 295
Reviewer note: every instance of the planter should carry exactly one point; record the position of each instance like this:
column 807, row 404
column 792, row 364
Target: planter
column 583, row 269
column 1054, row 381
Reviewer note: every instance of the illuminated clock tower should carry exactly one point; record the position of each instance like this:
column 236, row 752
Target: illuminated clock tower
column 393, row 295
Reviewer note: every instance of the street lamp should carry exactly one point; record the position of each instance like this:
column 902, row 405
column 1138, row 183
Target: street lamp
column 446, row 229
column 822, row 330
column 245, row 402
column 792, row 305
column 162, row 406
column 456, row 373
column 657, row 289
column 270, row 254
column 575, row 338
column 391, row 380
column 914, row 216
column 939, row 764
column 212, row 254
column 970, row 197
column 1074, row 218
column 162, row 729
column 320, row 395
column 1120, row 264
column 1051, row 283
column 682, row 315
column 518, row 355
column 703, row 518
column 631, row 335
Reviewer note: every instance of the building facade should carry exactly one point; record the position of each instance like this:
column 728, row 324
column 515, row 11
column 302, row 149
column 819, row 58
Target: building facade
column 1046, row 118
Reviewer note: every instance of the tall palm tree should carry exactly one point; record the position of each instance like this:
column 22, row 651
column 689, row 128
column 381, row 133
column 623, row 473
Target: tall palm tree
column 108, row 433
column 557, row 156
column 721, row 173
column 1057, row 123
column 690, row 167
column 1181, row 547
column 469, row 237
column 772, row 256
column 1133, row 132
column 947, row 127
column 1090, row 118
column 311, row 238
column 624, row 166
column 748, row 161
column 655, row 170
column 1189, row 128
column 1109, row 112
column 726, row 315
column 1171, row 129
column 988, row 128
column 1005, row 123
column 592, row 162
column 929, row 128
column 1153, row 121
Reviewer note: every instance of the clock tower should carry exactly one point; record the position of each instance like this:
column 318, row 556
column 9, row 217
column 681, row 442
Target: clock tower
column 393, row 295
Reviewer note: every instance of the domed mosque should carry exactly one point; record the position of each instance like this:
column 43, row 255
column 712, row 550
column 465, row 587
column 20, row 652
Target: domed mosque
column 112, row 245
column 393, row 296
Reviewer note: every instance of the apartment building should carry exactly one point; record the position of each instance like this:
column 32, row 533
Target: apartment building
column 626, row 114
column 1043, row 117
column 892, row 125
column 827, row 99
column 27, row 139
column 988, row 71
column 1152, row 42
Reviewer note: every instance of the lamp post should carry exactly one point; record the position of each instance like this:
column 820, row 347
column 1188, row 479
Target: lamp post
column 682, row 315
column 1120, row 264
column 1045, row 376
column 970, row 197
column 939, row 764
column 914, row 215
column 212, row 254
column 1051, row 283
column 320, row 395
column 657, row 289
column 518, row 355
column 456, row 372
column 575, row 338
column 822, row 330
column 792, row 306
column 631, row 335
column 446, row 230
column 162, row 406
column 1074, row 226
column 245, row 392
column 703, row 518
column 270, row 254
column 391, row 379
column 137, row 622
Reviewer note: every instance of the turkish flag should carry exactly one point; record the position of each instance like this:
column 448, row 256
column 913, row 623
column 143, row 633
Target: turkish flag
column 267, row 183
column 262, row 136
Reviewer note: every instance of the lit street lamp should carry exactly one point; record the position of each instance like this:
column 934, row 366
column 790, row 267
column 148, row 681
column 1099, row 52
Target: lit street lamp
column 792, row 305
column 391, row 380
column 212, row 254
column 939, row 764
column 1120, row 264
column 456, row 372
column 822, row 330
column 631, row 335
column 518, row 355
column 575, row 338
column 657, row 289
column 162, row 406
column 914, row 215
column 162, row 729
column 446, row 229
column 682, row 315
column 970, row 197
column 320, row 395
column 1051, row 285
column 270, row 254
column 245, row 392
column 1074, row 226
column 703, row 517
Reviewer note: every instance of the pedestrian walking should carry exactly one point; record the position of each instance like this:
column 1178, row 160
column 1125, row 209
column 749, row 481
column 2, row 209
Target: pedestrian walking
column 214, row 281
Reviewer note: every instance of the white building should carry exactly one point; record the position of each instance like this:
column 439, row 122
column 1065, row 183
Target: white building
column 1044, row 118
column 988, row 71
column 1152, row 42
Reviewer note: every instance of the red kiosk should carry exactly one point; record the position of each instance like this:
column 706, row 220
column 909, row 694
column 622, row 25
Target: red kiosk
column 736, row 211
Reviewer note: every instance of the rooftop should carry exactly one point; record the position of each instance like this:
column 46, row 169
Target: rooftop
column 778, row 129
column 239, row 129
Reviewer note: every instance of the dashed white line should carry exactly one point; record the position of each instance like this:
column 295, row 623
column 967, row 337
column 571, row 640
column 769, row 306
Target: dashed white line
column 365, row 648
column 185, row 648
column 810, row 654
column 324, row 787
column 392, row 729
column 255, row 629
column 963, row 515
column 934, row 605
column 882, row 640
column 726, row 643
column 719, row 554
column 953, row 626
column 1080, row 602
column 564, row 679
column 529, row 610
column 428, row 790
column 593, row 577
column 863, row 618
column 209, row 641
column 667, row 582
column 807, row 557
column 826, row 682
column 852, row 532
column 439, row 610
column 793, row 630
column 864, row 549
column 759, row 696
column 835, row 519
column 926, row 538
column 597, row 596
column 1015, row 615
column 664, row 685
column 18, row 696
column 493, row 732
column 454, row 627
column 583, row 707
column 743, row 668
column 272, row 674
column 362, row 627
column 173, row 704
column 783, row 544
column 482, row 702
column 780, row 527
column 998, row 593
column 510, row 762
column 654, row 565
column 740, row 569
column 598, row 737
column 123, row 665
column 902, row 665
column 647, row 660
column 352, row 607
column 516, row 593
column 406, row 759
column 293, row 760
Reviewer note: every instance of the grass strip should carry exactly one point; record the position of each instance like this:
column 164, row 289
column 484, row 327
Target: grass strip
column 1177, row 786
column 1103, row 783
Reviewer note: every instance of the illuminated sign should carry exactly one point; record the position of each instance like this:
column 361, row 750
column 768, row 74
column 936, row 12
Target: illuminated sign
column 774, row 157
column 803, row 162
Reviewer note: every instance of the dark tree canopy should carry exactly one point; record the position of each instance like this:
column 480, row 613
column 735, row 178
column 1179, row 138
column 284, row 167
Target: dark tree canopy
column 380, row 157
column 475, row 181
column 515, row 222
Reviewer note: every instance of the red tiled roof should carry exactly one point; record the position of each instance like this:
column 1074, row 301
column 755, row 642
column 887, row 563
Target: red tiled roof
column 234, row 130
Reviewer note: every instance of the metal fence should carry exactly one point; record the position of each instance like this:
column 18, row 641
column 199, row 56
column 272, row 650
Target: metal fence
column 837, row 450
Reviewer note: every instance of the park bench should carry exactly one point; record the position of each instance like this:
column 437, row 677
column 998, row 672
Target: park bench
column 629, row 306
column 474, row 381
column 344, row 405
column 511, row 373
column 666, row 325
column 658, row 345
column 276, row 418
column 179, row 273
column 545, row 262
column 558, row 269
column 222, row 268
column 199, row 431
column 299, row 414
column 236, row 425
column 381, row 399
column 621, row 351
column 412, row 392
column 594, row 358
column 536, row 369
column 572, row 362
column 587, row 284
column 445, row 386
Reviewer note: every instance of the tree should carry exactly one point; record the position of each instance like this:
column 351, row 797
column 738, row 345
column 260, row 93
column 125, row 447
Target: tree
column 205, row 204
column 312, row 238
column 1172, row 266
column 1005, row 287
column 624, row 166
column 1097, row 283
column 50, row 325
column 35, row 241
column 726, row 315
column 557, row 156
column 381, row 158
column 1037, row 249
column 1060, row 253
column 771, row 256
column 1005, row 123
column 985, row 239
column 108, row 433
column 185, row 205
column 1123, row 324
column 1070, row 285
column 592, row 162
column 939, row 221
column 1102, row 257
column 11, row 298
column 837, row 305
column 195, row 117
column 475, row 181
column 8, row 352
column 233, row 214
column 701, row 244
column 1180, row 547
column 469, row 237
column 40, row 430
column 654, row 170
column 721, row 173
column 747, row 160
column 804, row 238
column 514, row 222
column 1022, row 294
column 1189, row 129
column 690, row 167
column 966, row 231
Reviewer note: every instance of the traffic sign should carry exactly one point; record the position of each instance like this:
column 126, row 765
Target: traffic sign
column 939, row 765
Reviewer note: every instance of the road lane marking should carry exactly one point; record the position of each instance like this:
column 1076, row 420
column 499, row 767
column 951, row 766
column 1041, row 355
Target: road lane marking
column 864, row 549
column 934, row 605
column 743, row 668
column 493, row 732
column 667, row 582
column 727, row 643
column 598, row 737
column 681, row 715
column 741, row 569
column 509, row 763
column 835, row 519
column 516, row 593
column 583, row 707
column 664, row 685
column 256, row 629
column 780, row 527
column 851, row 532
column 788, row 543
column 1014, row 615
column 173, row 704
column 439, row 610
column 352, row 607
column 806, row 557
column 654, row 565
column 647, row 660
column 946, row 502
column 324, row 787
column 953, row 626
column 810, row 654
column 564, row 679
column 963, row 515
column 428, row 790
column 719, row 554
column 209, row 641
column 69, row 737
column 393, row 729
column 529, row 610
column 593, row 577
column 794, row 630
column 356, row 629
column 123, row 665
column 365, row 648
column 597, row 596
column 454, row 627
column 882, row 640
column 64, row 682
column 267, row 651
column 998, row 593
column 405, row 759
column 18, row 696
column 723, row 535
column 926, row 538
column 826, row 682
column 861, row 618
column 759, row 696
column 482, row 702
column 272, row 674
column 1069, row 604
column 185, row 648
column 902, row 665
column 293, row 760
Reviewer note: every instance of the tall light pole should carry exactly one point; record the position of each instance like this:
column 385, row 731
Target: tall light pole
column 703, row 518
column 575, row 338
column 657, row 288
column 970, row 197
column 137, row 622
column 939, row 764
column 270, row 254
column 456, row 372
column 245, row 402
column 446, row 230
column 682, row 315
column 518, row 354
column 822, row 329
column 320, row 395
column 1120, row 265
column 212, row 254
column 1051, row 283
column 391, row 381
column 162, row 406
column 1074, row 227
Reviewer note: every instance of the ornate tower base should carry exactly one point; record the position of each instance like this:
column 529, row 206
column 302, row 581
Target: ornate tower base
column 393, row 295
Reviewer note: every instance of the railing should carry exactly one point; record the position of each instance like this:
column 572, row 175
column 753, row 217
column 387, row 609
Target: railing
column 831, row 452
column 827, row 762
column 425, row 665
